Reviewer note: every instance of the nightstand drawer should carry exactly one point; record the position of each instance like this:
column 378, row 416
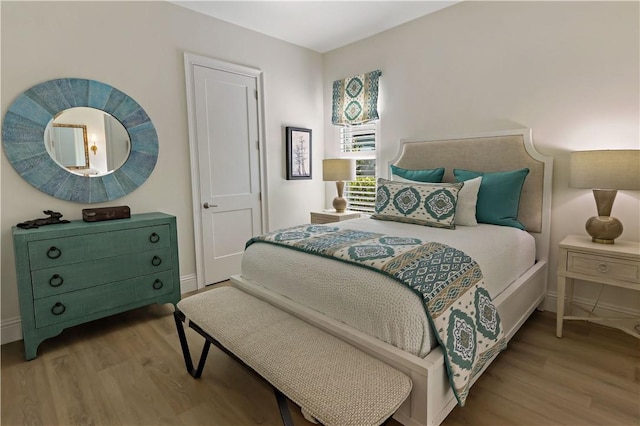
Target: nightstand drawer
column 330, row 217
column 603, row 266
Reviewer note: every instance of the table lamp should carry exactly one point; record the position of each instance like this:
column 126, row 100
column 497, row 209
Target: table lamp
column 605, row 172
column 339, row 170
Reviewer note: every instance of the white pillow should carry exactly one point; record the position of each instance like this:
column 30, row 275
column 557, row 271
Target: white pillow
column 467, row 199
column 398, row 178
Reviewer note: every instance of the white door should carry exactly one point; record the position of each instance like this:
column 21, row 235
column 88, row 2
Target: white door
column 227, row 139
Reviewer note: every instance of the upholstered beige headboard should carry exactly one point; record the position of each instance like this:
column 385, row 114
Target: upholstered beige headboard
column 499, row 151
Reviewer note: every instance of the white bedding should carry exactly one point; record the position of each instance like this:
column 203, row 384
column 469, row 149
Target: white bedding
column 375, row 303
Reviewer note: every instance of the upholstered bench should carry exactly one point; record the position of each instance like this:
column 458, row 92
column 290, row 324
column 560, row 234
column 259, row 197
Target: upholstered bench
column 331, row 381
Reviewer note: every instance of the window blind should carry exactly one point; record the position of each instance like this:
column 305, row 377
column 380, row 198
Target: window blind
column 359, row 142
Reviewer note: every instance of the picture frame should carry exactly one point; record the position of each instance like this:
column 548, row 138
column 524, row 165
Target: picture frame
column 299, row 151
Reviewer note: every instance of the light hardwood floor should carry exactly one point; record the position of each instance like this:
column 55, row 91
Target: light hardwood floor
column 128, row 370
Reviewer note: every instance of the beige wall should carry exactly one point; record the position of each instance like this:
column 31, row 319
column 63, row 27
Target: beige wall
column 568, row 70
column 138, row 48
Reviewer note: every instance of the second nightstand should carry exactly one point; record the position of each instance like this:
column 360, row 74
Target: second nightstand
column 615, row 265
column 328, row 217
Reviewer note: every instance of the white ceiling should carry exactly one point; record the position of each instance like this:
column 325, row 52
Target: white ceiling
column 318, row 25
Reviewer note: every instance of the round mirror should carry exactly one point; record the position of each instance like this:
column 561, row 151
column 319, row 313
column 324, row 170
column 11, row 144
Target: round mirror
column 49, row 111
column 73, row 132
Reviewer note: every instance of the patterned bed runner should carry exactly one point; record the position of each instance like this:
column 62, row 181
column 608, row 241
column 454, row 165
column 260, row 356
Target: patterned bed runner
column 449, row 282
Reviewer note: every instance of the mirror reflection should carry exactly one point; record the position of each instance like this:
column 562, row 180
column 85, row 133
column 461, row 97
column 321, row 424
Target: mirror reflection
column 67, row 145
column 74, row 132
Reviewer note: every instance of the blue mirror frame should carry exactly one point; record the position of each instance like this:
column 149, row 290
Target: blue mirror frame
column 23, row 139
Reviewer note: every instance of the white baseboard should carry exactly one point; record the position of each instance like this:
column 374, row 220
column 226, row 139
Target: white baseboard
column 11, row 328
column 188, row 283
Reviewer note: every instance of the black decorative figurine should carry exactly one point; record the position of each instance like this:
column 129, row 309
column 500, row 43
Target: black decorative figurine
column 54, row 217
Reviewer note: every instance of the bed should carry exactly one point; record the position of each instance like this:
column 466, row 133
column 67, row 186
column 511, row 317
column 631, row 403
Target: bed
column 389, row 323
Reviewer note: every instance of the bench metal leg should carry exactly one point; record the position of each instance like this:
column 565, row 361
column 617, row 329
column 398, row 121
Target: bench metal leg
column 179, row 318
column 283, row 406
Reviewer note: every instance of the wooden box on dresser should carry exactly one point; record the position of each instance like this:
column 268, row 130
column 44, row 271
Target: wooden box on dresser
column 72, row 273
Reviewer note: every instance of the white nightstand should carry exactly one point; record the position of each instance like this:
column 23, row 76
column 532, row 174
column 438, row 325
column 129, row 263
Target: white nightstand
column 610, row 264
column 328, row 217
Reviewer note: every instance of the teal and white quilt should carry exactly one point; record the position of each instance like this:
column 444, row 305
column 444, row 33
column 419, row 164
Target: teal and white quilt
column 449, row 282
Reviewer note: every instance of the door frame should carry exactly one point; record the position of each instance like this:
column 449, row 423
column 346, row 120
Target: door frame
column 190, row 61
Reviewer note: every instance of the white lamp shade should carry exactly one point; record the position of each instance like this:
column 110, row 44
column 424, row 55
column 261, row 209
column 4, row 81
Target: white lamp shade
column 338, row 169
column 608, row 169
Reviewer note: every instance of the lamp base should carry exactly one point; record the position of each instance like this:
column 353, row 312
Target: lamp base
column 603, row 229
column 340, row 204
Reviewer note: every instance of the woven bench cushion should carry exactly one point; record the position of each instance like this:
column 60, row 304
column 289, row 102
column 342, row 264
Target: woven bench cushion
column 331, row 380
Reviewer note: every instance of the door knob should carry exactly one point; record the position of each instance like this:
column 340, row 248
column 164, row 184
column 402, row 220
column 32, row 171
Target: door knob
column 207, row 205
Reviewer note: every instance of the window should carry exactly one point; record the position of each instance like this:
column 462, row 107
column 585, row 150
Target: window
column 359, row 142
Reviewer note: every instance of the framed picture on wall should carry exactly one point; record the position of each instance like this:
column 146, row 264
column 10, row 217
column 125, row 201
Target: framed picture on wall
column 298, row 153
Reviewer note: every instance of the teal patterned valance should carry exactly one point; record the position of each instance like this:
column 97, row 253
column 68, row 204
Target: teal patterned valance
column 355, row 99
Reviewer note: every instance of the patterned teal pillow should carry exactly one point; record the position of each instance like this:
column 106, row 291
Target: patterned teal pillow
column 429, row 204
column 498, row 196
column 425, row 175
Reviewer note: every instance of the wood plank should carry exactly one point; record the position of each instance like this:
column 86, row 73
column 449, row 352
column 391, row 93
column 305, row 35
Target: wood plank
column 26, row 391
column 75, row 393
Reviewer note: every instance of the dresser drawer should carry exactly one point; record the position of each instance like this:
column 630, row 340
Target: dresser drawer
column 74, row 305
column 67, row 250
column 154, row 285
column 603, row 266
column 66, row 278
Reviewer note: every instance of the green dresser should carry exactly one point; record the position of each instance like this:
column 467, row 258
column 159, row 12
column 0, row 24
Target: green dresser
column 72, row 273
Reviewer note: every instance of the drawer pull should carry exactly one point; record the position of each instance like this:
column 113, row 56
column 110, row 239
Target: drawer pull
column 54, row 253
column 156, row 261
column 56, row 280
column 157, row 284
column 602, row 267
column 58, row 309
column 154, row 238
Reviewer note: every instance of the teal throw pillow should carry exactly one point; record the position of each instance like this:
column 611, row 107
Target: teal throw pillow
column 429, row 204
column 426, row 175
column 498, row 196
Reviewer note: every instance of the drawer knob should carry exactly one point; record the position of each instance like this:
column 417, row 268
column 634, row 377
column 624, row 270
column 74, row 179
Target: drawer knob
column 154, row 238
column 156, row 261
column 602, row 267
column 56, row 280
column 157, row 284
column 54, row 252
column 58, row 309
